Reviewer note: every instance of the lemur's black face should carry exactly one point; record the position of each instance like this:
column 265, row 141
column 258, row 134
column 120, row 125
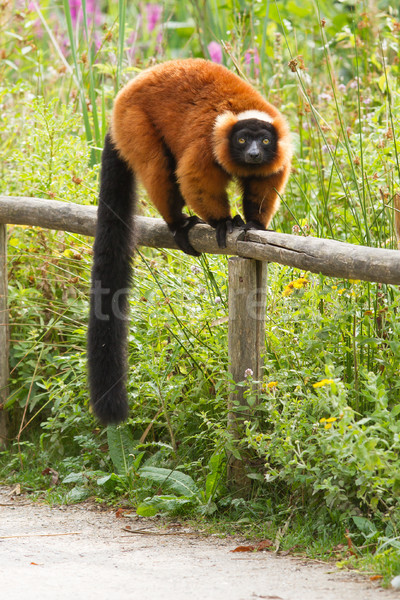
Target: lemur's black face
column 253, row 142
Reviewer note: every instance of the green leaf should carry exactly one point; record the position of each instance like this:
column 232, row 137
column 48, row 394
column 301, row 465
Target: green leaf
column 216, row 465
column 77, row 494
column 121, row 446
column 162, row 504
column 207, row 509
column 364, row 525
column 103, row 480
column 257, row 476
column 390, row 543
column 175, row 480
column 74, row 478
column 109, row 482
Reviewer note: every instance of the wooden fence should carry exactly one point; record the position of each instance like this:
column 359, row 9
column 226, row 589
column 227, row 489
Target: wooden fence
column 247, row 274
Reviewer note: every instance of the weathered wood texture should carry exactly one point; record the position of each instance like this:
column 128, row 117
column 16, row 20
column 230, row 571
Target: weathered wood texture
column 247, row 280
column 51, row 214
column 4, row 334
column 329, row 257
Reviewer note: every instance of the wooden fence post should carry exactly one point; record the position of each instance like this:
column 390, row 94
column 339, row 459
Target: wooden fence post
column 247, row 299
column 4, row 334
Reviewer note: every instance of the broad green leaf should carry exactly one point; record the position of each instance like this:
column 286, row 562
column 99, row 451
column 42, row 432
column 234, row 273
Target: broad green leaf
column 162, row 504
column 364, row 525
column 175, row 480
column 216, row 465
column 121, row 445
column 74, row 478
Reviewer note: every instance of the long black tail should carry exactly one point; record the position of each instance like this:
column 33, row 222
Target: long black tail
column 111, row 277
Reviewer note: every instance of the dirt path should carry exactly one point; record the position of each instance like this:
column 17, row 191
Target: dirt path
column 97, row 560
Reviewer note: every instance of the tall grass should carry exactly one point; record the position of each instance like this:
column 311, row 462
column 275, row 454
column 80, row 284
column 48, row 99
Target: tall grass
column 326, row 432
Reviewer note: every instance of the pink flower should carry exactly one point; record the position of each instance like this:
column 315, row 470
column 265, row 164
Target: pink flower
column 75, row 7
column 252, row 56
column 215, row 52
column 154, row 12
column 92, row 11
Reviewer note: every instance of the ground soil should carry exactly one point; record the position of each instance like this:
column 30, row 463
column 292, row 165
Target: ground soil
column 81, row 551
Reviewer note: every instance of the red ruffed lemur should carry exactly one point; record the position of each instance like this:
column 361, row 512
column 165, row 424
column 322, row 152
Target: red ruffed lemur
column 184, row 129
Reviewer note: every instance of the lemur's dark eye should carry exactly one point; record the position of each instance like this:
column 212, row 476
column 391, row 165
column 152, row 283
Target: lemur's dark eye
column 266, row 141
column 241, row 140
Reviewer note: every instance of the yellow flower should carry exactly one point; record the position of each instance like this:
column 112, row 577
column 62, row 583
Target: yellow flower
column 327, row 422
column 296, row 284
column 354, row 281
column 299, row 283
column 323, row 382
column 272, row 384
column 288, row 289
column 68, row 252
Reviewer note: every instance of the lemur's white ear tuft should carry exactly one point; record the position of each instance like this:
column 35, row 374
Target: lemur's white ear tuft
column 225, row 119
column 255, row 114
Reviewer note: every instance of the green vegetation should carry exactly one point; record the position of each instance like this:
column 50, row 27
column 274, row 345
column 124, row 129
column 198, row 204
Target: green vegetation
column 325, row 439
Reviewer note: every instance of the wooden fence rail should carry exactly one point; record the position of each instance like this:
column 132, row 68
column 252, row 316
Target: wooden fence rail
column 247, row 273
column 336, row 259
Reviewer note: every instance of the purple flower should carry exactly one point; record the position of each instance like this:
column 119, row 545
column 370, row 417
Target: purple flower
column 92, row 12
column 154, row 12
column 252, row 56
column 75, row 7
column 215, row 52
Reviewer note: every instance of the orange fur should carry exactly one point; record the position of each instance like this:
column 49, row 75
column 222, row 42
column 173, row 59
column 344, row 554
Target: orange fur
column 171, row 125
column 172, row 129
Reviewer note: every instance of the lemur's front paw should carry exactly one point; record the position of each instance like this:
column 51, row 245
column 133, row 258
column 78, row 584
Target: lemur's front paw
column 180, row 231
column 225, row 226
column 253, row 225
